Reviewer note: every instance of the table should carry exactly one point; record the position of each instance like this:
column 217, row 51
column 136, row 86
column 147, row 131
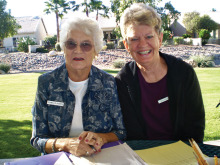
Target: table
column 208, row 150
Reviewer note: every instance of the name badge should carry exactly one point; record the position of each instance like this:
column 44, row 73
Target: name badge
column 163, row 100
column 61, row 104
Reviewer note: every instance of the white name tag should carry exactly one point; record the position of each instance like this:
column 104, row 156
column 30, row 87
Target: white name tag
column 163, row 100
column 61, row 104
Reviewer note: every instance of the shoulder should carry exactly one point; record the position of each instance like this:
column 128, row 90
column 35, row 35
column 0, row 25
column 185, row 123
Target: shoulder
column 101, row 76
column 127, row 71
column 53, row 75
column 176, row 64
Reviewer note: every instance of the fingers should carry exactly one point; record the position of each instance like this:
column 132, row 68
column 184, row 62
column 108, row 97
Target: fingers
column 80, row 148
column 92, row 139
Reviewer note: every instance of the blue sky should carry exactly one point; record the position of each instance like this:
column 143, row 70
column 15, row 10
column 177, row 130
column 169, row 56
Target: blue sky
column 21, row 8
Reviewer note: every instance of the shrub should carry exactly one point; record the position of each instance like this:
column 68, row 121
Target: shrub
column 205, row 35
column 186, row 36
column 5, row 67
column 42, row 50
column 110, row 45
column 57, row 47
column 167, row 35
column 24, row 42
column 50, row 42
column 178, row 40
column 203, row 61
column 121, row 44
column 119, row 63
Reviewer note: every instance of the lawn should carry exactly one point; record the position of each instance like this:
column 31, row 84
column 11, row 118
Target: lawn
column 17, row 98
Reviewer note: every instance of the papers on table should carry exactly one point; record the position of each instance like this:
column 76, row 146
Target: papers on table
column 121, row 154
column 172, row 154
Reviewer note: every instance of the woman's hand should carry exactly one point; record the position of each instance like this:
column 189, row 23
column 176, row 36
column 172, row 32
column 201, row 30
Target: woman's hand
column 74, row 146
column 93, row 139
column 79, row 148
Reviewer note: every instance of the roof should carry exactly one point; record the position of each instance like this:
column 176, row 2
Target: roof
column 107, row 23
column 29, row 24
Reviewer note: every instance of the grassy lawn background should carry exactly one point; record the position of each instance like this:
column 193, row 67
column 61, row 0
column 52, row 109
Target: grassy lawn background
column 17, row 97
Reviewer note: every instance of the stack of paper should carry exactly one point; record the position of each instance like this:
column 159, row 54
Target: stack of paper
column 172, row 154
column 118, row 155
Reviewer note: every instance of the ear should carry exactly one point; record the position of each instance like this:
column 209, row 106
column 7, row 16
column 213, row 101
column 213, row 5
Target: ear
column 160, row 38
column 126, row 45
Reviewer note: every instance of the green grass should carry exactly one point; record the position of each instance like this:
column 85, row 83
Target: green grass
column 17, row 98
column 209, row 79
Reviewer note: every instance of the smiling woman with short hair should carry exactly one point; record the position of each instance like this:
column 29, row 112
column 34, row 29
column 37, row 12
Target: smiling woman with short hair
column 159, row 94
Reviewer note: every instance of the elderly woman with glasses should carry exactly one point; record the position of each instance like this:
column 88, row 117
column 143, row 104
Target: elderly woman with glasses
column 76, row 109
column 159, row 94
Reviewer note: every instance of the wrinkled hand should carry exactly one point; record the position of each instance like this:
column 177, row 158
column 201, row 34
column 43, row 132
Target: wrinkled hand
column 77, row 147
column 92, row 139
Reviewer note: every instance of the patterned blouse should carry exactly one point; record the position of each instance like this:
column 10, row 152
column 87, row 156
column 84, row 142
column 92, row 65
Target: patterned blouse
column 54, row 106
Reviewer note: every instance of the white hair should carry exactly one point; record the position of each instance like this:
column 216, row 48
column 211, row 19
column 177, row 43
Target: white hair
column 85, row 24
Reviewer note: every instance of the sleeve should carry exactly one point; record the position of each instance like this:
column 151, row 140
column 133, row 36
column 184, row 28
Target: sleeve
column 116, row 115
column 40, row 133
column 194, row 108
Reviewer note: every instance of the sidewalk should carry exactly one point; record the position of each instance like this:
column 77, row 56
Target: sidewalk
column 214, row 142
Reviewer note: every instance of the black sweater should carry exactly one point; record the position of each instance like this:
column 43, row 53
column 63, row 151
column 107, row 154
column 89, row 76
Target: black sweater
column 185, row 101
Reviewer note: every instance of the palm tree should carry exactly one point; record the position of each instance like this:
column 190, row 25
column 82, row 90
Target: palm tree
column 97, row 5
column 87, row 7
column 59, row 7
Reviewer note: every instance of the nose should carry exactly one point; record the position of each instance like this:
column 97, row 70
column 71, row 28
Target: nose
column 142, row 42
column 78, row 49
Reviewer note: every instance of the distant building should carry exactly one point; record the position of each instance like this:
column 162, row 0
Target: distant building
column 32, row 27
column 179, row 29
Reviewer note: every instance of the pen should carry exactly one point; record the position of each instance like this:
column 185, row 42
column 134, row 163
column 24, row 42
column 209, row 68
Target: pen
column 216, row 159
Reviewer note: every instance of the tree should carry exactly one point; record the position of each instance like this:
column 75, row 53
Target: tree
column 191, row 21
column 97, row 5
column 8, row 24
column 206, row 22
column 167, row 13
column 93, row 5
column 59, row 7
column 205, row 35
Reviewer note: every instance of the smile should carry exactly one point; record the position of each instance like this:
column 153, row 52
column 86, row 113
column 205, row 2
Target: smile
column 145, row 52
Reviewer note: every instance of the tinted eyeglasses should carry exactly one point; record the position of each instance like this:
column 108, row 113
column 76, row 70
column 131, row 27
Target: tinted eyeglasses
column 84, row 46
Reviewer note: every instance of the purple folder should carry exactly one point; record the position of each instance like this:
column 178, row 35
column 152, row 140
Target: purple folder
column 50, row 159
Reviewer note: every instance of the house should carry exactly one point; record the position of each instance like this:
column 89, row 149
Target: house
column 32, row 27
column 179, row 29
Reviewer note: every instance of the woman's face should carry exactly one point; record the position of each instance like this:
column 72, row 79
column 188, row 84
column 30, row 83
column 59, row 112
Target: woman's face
column 79, row 51
column 143, row 43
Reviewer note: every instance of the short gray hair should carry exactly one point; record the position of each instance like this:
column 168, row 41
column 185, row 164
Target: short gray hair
column 86, row 25
column 139, row 14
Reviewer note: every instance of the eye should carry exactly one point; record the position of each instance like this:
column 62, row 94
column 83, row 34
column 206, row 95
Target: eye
column 133, row 39
column 71, row 43
column 149, row 36
column 86, row 44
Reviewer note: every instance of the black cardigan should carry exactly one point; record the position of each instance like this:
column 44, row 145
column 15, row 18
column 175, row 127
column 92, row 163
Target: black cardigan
column 185, row 100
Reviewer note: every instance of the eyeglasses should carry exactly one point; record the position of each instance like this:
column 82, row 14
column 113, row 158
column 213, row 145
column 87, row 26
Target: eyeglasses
column 85, row 46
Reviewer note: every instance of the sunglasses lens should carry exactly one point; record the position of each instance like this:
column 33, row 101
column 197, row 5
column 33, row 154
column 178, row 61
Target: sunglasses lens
column 85, row 46
column 70, row 45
